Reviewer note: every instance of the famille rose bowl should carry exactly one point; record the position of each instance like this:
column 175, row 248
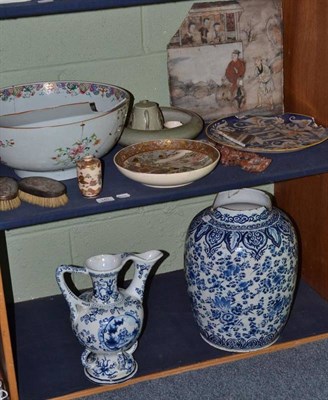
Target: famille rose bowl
column 46, row 127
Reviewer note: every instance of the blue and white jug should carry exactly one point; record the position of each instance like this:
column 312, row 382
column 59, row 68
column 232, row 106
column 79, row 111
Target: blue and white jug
column 241, row 266
column 107, row 320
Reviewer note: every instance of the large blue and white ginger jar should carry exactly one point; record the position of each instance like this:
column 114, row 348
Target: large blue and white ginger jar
column 107, row 320
column 241, row 259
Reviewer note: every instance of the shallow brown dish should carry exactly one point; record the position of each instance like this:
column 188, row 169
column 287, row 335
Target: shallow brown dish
column 167, row 163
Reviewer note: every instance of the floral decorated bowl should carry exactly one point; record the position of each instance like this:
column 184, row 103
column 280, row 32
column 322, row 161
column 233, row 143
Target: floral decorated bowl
column 46, row 127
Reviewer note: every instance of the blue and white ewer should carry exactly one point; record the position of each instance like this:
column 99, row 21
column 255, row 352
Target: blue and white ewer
column 241, row 259
column 107, row 320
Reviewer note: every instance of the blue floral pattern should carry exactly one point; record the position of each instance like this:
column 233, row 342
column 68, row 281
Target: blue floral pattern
column 107, row 320
column 116, row 333
column 105, row 369
column 241, row 272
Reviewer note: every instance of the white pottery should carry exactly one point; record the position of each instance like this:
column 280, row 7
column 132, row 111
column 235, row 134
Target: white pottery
column 172, row 124
column 108, row 320
column 50, row 116
column 47, row 141
column 241, row 267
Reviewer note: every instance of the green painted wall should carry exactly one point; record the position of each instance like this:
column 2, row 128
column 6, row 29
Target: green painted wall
column 126, row 47
column 35, row 252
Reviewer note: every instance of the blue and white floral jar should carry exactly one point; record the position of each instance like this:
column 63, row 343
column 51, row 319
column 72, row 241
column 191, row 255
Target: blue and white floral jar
column 241, row 259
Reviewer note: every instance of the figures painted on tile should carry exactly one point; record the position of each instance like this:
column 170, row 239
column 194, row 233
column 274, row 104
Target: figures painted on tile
column 265, row 89
column 192, row 37
column 226, row 58
column 235, row 73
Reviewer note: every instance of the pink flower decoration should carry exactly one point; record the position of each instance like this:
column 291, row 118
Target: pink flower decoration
column 73, row 152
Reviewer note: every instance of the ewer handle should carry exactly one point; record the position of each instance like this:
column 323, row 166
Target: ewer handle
column 72, row 299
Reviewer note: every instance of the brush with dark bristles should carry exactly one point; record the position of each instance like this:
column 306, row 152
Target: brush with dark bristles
column 9, row 199
column 41, row 191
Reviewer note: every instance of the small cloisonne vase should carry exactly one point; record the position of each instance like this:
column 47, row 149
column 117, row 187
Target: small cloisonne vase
column 89, row 176
column 241, row 260
column 107, row 320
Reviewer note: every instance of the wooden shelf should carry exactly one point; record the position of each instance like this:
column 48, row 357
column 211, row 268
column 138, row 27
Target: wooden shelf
column 7, row 360
column 170, row 340
column 305, row 90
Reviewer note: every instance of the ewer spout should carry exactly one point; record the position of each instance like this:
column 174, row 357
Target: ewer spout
column 143, row 263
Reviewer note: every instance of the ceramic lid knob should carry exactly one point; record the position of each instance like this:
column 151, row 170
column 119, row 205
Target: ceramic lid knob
column 146, row 104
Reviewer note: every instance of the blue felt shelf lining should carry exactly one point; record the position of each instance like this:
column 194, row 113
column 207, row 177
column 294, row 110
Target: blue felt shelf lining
column 46, row 7
column 284, row 166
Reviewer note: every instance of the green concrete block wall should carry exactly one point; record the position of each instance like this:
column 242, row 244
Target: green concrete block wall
column 126, row 47
column 35, row 252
